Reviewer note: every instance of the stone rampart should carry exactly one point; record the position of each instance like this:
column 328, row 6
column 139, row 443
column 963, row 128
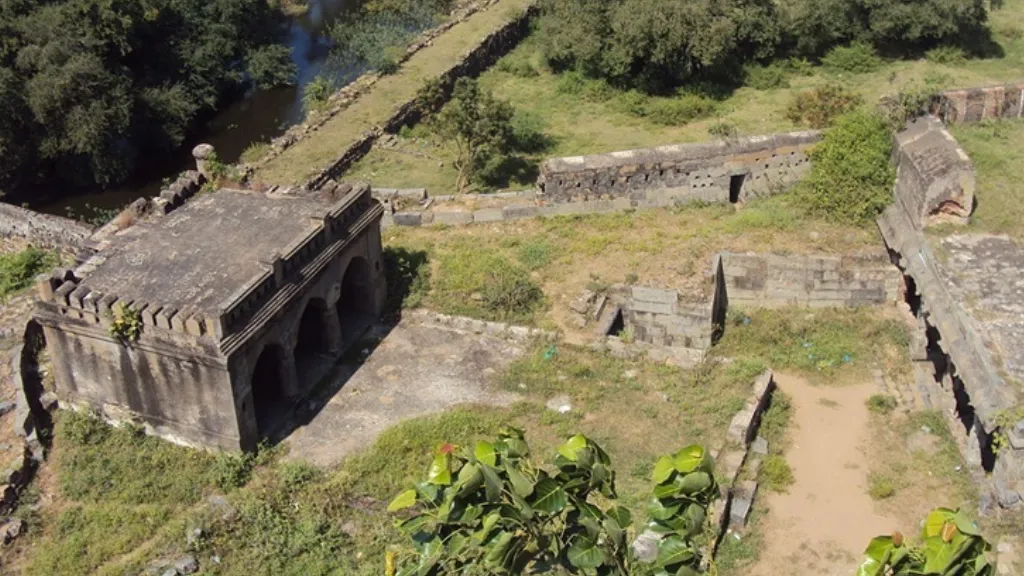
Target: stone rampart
column 770, row 280
column 935, row 178
column 43, row 230
column 472, row 63
column 722, row 171
column 975, row 104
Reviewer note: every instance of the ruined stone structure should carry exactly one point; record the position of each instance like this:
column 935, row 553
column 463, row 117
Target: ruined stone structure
column 935, row 177
column 723, row 171
column 656, row 316
column 772, row 281
column 245, row 300
column 974, row 104
column 42, row 230
column 967, row 352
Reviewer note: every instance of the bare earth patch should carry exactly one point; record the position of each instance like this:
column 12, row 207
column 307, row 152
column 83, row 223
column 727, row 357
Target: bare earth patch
column 824, row 521
column 416, row 370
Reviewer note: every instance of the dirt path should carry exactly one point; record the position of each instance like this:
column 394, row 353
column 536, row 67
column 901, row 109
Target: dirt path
column 823, row 524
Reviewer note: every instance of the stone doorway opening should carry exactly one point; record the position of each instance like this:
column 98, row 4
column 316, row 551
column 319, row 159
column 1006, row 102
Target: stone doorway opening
column 315, row 347
column 356, row 305
column 269, row 396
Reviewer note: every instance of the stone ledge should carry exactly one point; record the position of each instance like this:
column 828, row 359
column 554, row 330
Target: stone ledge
column 472, row 325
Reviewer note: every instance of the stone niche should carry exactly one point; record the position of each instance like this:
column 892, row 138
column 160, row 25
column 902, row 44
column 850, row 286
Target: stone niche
column 246, row 299
column 724, row 171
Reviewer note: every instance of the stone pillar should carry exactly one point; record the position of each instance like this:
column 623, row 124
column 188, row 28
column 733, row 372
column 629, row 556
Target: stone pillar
column 332, row 329
column 290, row 374
column 203, row 153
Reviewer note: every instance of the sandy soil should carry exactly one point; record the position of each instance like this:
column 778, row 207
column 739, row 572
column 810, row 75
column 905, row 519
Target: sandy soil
column 823, row 523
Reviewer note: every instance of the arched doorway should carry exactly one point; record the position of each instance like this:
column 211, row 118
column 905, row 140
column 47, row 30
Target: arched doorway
column 317, row 343
column 356, row 306
column 269, row 397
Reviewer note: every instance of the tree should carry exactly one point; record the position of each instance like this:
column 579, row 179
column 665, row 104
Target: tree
column 476, row 124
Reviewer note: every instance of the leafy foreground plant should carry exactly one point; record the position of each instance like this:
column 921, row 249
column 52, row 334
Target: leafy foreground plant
column 489, row 511
column 952, row 546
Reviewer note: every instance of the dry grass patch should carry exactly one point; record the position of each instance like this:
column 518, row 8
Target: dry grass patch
column 665, row 248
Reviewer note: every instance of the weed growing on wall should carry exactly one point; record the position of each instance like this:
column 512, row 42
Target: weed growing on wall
column 126, row 324
column 851, row 174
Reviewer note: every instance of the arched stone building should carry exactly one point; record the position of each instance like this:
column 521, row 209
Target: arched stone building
column 246, row 301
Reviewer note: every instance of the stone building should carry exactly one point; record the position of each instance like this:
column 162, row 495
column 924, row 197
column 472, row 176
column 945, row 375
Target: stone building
column 246, row 300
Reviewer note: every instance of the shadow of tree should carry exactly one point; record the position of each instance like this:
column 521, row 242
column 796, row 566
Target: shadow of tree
column 408, row 276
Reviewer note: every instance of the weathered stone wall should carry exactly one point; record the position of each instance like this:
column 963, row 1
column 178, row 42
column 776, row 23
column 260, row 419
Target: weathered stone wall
column 660, row 317
column 935, row 178
column 770, row 280
column 42, row 230
column 974, row 104
column 471, row 64
column 720, row 171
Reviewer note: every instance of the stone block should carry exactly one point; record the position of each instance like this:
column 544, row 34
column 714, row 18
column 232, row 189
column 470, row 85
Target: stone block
column 759, row 446
column 642, row 293
column 739, row 428
column 453, row 218
column 165, row 316
column 488, row 215
column 194, row 325
column 520, row 211
column 652, row 307
column 407, row 218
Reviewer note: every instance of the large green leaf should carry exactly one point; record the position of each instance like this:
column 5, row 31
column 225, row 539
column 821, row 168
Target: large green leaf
column 621, row 516
column 663, row 469
column 693, row 457
column 497, row 551
column 469, row 479
column 521, row 485
column 965, row 524
column 658, row 510
column 492, row 482
column 876, row 557
column 934, row 522
column 572, row 446
column 673, row 550
column 549, row 497
column 488, row 524
column 403, row 501
column 484, row 452
column 440, row 473
column 695, row 482
column 585, row 554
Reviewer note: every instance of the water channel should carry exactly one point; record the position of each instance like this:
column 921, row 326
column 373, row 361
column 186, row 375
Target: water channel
column 259, row 116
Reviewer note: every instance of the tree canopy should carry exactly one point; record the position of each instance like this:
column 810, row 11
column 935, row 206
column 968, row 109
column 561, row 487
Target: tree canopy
column 89, row 86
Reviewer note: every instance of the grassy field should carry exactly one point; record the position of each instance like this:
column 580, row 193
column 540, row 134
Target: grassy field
column 321, row 148
column 994, row 147
column 115, row 500
column 595, row 119
column 564, row 255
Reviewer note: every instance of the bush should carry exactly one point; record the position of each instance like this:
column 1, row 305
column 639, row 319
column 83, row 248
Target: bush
column 528, row 133
column 316, row 93
column 851, row 174
column 519, row 68
column 19, row 269
column 680, row 110
column 818, row 107
column 880, row 486
column 857, row 58
column 946, row 55
column 509, row 293
column 408, row 278
column 881, row 403
column 776, row 474
column 477, row 282
column 723, row 130
column 766, row 77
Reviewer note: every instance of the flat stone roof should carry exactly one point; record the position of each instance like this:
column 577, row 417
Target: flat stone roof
column 985, row 274
column 201, row 254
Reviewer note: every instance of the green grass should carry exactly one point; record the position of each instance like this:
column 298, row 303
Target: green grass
column 320, row 149
column 121, row 499
column 820, row 343
column 776, row 475
column 591, row 117
column 447, row 268
column 18, row 269
column 881, row 486
column 881, row 403
column 994, row 149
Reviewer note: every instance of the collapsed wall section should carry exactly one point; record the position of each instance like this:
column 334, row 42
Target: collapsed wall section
column 723, row 171
column 974, row 104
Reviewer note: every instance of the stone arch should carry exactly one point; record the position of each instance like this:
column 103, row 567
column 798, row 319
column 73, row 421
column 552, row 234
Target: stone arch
column 269, row 387
column 317, row 342
column 357, row 304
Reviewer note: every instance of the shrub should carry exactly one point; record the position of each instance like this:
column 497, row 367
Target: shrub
column 723, row 130
column 951, row 544
column 776, row 474
column 818, row 107
column 431, row 97
column 481, row 283
column 316, row 93
column 880, row 486
column 528, row 133
column 946, row 55
column 535, row 254
column 17, row 270
column 881, row 403
column 680, row 110
column 254, row 152
column 408, row 278
column 857, row 58
column 768, row 77
column 126, row 324
column 517, row 67
column 851, row 175
column 509, row 292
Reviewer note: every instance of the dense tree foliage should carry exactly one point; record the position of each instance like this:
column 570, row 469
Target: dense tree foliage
column 88, row 86
column 659, row 44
